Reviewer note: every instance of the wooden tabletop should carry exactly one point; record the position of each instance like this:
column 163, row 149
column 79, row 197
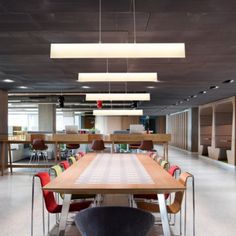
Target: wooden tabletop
column 66, row 182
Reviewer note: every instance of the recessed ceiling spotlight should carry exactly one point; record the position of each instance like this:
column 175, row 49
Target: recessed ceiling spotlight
column 214, row 87
column 22, row 87
column 180, row 102
column 228, row 81
column 85, row 87
column 150, row 87
column 8, row 80
column 187, row 99
column 203, row 92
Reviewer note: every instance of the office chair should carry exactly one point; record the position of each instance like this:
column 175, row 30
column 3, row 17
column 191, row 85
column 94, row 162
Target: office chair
column 114, row 220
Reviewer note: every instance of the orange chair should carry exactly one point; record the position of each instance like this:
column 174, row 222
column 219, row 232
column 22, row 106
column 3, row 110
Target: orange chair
column 176, row 206
column 172, row 171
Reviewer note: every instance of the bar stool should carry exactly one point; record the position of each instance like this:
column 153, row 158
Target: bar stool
column 146, row 145
column 98, row 145
column 39, row 147
column 69, row 149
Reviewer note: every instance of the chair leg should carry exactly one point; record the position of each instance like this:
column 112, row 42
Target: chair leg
column 43, row 217
column 32, row 208
column 193, row 206
column 193, row 189
column 180, row 222
column 48, row 222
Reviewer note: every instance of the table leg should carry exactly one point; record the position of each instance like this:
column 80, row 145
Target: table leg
column 64, row 214
column 167, row 151
column 164, row 151
column 164, row 215
column 10, row 158
column 57, row 152
column 3, row 157
column 112, row 147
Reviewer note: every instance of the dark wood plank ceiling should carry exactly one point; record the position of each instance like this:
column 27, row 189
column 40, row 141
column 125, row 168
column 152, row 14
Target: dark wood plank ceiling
column 208, row 28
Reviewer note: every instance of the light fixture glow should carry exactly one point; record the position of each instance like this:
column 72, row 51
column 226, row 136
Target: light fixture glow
column 118, row 96
column 8, row 80
column 85, row 87
column 117, row 77
column 117, row 50
column 102, row 112
column 23, row 87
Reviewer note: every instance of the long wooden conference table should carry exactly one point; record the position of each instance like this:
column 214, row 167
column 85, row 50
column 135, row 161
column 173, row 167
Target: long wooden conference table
column 111, row 173
column 58, row 139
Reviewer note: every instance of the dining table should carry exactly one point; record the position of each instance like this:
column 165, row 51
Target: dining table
column 115, row 173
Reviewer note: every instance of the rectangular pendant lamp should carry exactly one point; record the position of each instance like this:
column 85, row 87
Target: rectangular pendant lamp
column 117, row 50
column 120, row 112
column 118, row 97
column 117, row 77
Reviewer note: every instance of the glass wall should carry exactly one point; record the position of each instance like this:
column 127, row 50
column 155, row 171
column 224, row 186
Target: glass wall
column 26, row 119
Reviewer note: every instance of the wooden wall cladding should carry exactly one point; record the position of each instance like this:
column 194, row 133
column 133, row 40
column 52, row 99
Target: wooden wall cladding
column 205, row 130
column 178, row 128
column 126, row 121
column 219, row 128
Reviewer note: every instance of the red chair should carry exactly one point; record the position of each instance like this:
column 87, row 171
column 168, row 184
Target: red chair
column 172, row 171
column 50, row 202
column 64, row 164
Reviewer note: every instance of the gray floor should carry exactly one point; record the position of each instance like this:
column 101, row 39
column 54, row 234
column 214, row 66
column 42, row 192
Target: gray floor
column 215, row 199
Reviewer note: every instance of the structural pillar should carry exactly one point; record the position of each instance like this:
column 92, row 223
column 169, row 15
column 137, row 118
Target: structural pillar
column 47, row 117
column 193, row 129
column 47, row 122
column 3, row 122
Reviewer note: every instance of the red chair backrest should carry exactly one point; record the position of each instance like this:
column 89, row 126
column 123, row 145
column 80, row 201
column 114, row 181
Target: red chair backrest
column 173, row 169
column 48, row 196
column 65, row 164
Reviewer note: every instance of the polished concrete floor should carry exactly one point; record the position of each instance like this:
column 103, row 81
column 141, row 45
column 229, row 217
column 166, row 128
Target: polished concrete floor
column 215, row 185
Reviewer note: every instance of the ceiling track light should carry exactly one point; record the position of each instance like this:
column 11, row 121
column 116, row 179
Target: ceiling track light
column 118, row 96
column 214, row 87
column 228, row 81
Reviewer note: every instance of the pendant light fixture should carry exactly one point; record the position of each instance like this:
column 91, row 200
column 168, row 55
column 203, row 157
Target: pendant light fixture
column 118, row 96
column 116, row 112
column 117, row 77
column 117, row 50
